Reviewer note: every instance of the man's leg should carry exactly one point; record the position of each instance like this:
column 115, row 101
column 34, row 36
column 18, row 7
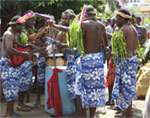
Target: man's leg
column 38, row 95
column 92, row 112
column 10, row 110
column 110, row 88
column 81, row 111
column 125, row 114
column 21, row 106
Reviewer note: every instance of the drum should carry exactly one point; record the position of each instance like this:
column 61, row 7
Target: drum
column 68, row 106
column 59, row 60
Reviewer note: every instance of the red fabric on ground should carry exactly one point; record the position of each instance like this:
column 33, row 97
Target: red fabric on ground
column 111, row 73
column 54, row 98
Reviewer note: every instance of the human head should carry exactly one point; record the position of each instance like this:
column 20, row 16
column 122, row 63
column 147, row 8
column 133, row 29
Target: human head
column 113, row 21
column 122, row 17
column 16, row 23
column 72, row 14
column 30, row 19
column 65, row 18
column 138, row 20
column 107, row 22
column 90, row 12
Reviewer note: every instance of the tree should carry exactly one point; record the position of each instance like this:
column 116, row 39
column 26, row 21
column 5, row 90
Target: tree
column 113, row 4
column 10, row 8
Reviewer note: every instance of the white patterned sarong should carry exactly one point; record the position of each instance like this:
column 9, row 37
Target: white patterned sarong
column 125, row 83
column 15, row 79
column 71, row 75
column 90, row 83
column 41, row 70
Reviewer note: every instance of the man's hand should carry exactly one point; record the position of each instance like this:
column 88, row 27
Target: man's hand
column 50, row 23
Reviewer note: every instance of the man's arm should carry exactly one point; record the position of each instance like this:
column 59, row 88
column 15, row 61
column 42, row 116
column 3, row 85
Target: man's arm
column 9, row 46
column 59, row 27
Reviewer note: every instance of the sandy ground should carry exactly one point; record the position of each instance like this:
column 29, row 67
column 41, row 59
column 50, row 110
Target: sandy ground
column 39, row 112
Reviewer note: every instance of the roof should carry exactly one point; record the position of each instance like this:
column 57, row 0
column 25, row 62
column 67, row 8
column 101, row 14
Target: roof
column 145, row 9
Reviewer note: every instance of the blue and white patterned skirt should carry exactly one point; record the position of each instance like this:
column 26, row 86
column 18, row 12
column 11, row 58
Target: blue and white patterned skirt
column 15, row 79
column 41, row 70
column 71, row 75
column 125, row 83
column 90, row 83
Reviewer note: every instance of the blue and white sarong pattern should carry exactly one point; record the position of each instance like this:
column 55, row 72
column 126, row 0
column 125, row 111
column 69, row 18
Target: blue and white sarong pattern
column 90, row 83
column 71, row 75
column 125, row 83
column 41, row 70
column 14, row 79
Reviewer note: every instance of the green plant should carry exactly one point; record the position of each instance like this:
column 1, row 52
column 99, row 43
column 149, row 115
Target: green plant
column 118, row 45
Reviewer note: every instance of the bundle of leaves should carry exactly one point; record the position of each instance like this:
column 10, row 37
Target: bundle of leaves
column 142, row 51
column 75, row 33
column 118, row 45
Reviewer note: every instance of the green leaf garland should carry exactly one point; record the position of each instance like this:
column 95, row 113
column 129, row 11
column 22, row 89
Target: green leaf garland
column 118, row 45
column 75, row 33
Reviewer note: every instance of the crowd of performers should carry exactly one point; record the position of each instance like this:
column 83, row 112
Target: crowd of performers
column 84, row 74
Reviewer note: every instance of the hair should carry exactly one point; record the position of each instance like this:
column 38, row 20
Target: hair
column 138, row 18
column 66, row 13
column 90, row 9
column 108, row 20
column 72, row 14
column 126, row 13
column 13, row 19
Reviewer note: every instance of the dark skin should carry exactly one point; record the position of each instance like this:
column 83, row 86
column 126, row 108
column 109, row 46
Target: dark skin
column 92, row 42
column 8, row 43
column 30, row 24
column 90, row 31
column 130, row 37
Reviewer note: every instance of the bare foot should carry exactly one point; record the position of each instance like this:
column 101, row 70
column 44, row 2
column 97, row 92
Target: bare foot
column 123, row 115
column 110, row 103
column 13, row 115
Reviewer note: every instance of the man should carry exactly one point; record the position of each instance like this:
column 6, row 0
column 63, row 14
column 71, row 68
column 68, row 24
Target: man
column 66, row 18
column 108, row 28
column 38, row 41
column 14, row 79
column 89, row 80
column 124, row 89
column 90, row 83
column 142, row 33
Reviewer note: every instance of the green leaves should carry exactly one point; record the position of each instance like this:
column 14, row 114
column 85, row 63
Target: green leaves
column 76, row 36
column 118, row 45
column 141, row 52
column 147, row 20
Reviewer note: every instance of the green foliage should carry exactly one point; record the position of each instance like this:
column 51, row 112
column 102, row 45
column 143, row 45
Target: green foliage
column 140, row 52
column 76, row 36
column 23, row 38
column 147, row 20
column 113, row 4
column 118, row 45
column 107, row 15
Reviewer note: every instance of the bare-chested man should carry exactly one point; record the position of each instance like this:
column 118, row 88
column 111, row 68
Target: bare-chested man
column 125, row 84
column 89, row 80
column 13, row 78
column 90, row 68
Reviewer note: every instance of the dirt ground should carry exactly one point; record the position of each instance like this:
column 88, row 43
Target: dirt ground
column 39, row 112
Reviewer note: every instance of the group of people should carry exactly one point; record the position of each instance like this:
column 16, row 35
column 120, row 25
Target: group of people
column 84, row 74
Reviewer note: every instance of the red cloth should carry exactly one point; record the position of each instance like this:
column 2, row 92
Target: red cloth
column 54, row 99
column 111, row 73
